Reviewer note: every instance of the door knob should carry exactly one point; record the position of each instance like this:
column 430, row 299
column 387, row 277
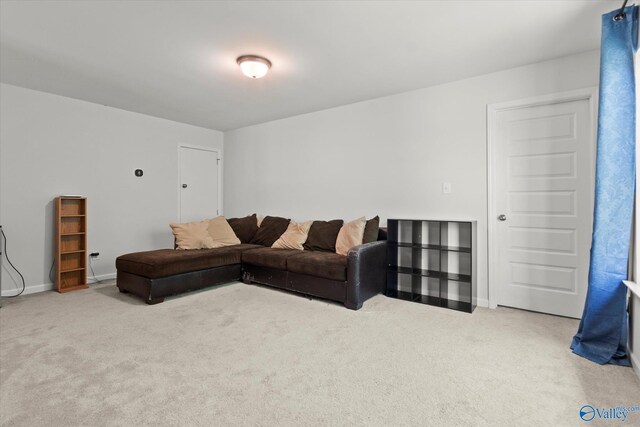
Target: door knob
column 184, row 185
column 502, row 217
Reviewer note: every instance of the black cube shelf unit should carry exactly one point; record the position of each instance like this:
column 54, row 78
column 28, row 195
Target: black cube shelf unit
column 433, row 262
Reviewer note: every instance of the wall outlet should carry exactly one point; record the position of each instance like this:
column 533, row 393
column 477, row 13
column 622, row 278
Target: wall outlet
column 94, row 255
column 446, row 188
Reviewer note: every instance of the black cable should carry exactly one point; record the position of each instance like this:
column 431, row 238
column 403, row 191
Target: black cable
column 95, row 280
column 52, row 279
column 6, row 255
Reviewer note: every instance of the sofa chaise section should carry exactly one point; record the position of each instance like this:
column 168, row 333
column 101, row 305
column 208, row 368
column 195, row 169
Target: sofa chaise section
column 154, row 275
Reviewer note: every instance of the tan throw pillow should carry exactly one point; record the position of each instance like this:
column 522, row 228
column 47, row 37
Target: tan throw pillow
column 192, row 235
column 350, row 235
column 221, row 233
column 294, row 237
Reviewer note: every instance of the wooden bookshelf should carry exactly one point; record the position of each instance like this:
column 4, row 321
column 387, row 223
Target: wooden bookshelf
column 71, row 243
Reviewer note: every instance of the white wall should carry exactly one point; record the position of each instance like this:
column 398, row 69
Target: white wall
column 52, row 145
column 388, row 156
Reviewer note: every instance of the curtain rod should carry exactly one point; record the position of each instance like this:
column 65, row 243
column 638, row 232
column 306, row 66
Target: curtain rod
column 621, row 15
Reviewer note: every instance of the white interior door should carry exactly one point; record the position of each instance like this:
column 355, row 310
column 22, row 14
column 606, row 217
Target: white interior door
column 543, row 179
column 199, row 184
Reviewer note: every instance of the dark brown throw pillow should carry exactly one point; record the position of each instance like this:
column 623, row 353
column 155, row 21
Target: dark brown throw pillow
column 271, row 228
column 323, row 235
column 245, row 228
column 371, row 230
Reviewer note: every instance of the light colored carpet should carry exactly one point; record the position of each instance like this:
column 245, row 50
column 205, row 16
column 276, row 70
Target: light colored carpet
column 247, row 355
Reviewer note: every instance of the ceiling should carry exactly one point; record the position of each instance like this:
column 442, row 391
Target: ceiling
column 176, row 59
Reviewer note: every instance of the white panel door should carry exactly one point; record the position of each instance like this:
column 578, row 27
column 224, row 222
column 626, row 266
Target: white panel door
column 543, row 194
column 199, row 186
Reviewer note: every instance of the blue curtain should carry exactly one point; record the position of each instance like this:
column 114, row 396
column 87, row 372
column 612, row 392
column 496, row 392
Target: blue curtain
column 602, row 334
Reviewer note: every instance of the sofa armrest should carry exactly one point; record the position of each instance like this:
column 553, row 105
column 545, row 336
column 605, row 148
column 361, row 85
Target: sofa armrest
column 366, row 273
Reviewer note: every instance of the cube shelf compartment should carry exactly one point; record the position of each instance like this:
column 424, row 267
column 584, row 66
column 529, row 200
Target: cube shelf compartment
column 433, row 262
column 71, row 243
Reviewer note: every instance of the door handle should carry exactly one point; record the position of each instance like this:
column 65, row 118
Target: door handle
column 184, row 185
column 502, row 217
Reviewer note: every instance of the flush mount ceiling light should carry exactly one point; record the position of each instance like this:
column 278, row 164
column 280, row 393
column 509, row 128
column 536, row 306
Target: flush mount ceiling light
column 254, row 66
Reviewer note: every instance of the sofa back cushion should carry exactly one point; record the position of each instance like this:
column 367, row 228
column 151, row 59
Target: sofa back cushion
column 294, row 237
column 323, row 235
column 221, row 233
column 371, row 230
column 192, row 235
column 350, row 235
column 271, row 228
column 245, row 228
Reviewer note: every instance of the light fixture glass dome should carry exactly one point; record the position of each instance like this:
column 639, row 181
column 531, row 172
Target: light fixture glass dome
column 254, row 66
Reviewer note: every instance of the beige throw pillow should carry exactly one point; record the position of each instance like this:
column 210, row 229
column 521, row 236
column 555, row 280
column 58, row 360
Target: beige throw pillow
column 294, row 237
column 192, row 235
column 221, row 233
column 350, row 235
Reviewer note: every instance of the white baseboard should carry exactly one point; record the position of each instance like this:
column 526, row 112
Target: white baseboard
column 482, row 302
column 100, row 278
column 34, row 289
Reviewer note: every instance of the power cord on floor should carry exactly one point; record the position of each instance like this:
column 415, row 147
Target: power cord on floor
column 6, row 255
column 95, row 279
column 51, row 278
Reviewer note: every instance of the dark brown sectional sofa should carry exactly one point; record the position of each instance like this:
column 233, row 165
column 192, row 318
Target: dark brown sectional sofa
column 351, row 279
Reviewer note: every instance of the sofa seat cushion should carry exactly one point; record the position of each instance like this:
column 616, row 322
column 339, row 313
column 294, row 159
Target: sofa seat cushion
column 168, row 262
column 327, row 265
column 268, row 257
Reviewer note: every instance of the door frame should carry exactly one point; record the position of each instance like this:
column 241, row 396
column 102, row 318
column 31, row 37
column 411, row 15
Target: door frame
column 589, row 94
column 201, row 148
